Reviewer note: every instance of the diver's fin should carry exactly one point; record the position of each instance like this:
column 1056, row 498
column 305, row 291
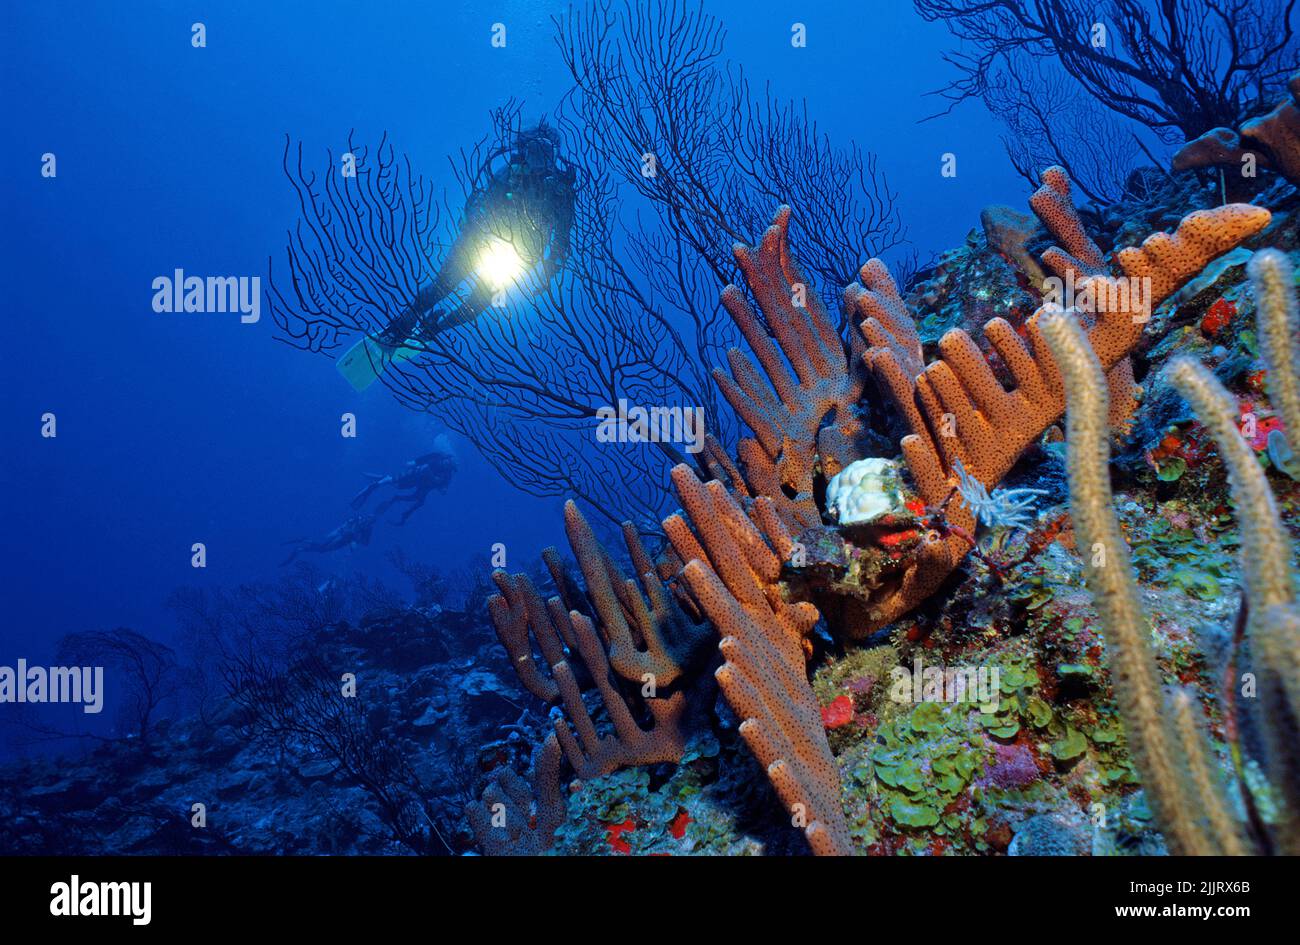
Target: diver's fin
column 366, row 360
column 362, row 364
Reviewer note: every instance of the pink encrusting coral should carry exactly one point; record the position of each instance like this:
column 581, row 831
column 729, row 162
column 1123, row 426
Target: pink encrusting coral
column 1013, row 767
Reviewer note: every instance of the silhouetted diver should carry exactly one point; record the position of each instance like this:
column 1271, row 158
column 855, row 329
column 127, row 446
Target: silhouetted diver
column 355, row 531
column 517, row 217
column 418, row 478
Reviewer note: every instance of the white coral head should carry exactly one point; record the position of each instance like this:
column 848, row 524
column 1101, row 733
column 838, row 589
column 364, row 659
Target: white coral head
column 864, row 491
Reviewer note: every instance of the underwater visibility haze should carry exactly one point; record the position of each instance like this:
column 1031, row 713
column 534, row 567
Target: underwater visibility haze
column 606, row 428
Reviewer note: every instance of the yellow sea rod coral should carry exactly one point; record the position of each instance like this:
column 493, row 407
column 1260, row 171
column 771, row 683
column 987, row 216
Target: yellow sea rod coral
column 1188, row 803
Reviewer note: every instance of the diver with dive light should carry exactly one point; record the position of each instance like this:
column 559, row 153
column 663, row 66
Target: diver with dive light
column 517, row 219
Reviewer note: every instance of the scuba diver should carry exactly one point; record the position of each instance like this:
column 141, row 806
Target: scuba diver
column 517, row 218
column 355, row 531
column 418, row 478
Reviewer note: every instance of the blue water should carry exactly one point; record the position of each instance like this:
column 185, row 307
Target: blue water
column 174, row 428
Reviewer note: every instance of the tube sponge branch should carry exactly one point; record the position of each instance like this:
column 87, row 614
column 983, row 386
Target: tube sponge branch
column 804, row 406
column 732, row 571
column 515, row 818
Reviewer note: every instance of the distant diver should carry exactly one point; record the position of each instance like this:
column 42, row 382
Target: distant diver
column 412, row 483
column 355, row 531
column 518, row 217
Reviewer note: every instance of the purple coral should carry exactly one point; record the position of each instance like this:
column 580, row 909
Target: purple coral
column 862, row 685
column 1013, row 767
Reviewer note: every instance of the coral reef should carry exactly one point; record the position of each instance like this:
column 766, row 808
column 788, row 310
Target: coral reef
column 809, row 542
column 751, row 554
column 957, row 407
column 1167, row 735
column 782, row 659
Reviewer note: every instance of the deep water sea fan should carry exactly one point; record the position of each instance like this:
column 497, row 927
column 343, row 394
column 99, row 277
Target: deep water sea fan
column 1096, row 86
column 646, row 75
column 1178, row 69
column 634, row 312
column 526, row 381
column 297, row 709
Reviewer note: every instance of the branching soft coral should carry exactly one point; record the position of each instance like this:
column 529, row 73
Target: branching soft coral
column 1278, row 319
column 1184, row 807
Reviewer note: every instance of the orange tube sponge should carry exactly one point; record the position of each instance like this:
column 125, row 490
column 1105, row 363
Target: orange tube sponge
column 806, row 379
column 1052, row 204
column 958, row 409
column 515, row 818
column 763, row 677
